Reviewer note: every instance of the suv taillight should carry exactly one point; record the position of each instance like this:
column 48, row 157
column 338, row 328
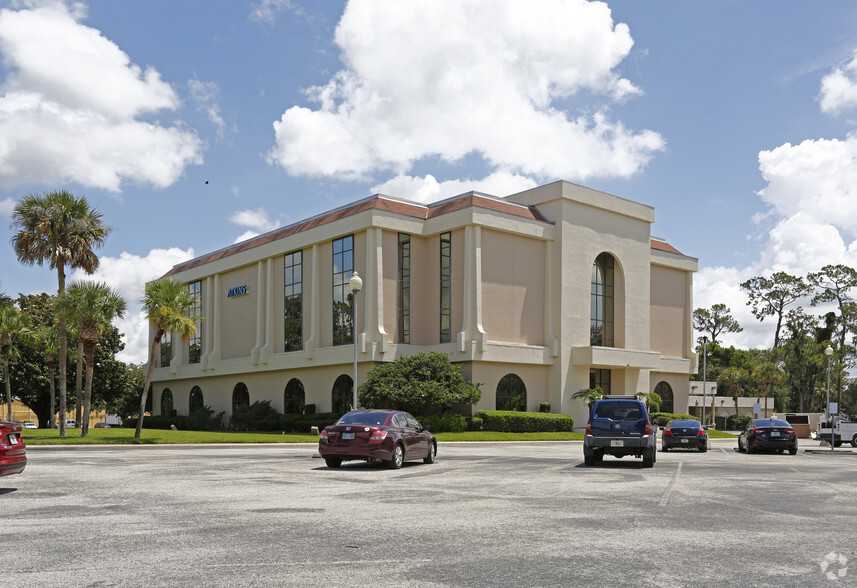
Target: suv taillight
column 648, row 428
column 588, row 429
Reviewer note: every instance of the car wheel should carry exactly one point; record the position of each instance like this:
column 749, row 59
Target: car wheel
column 649, row 459
column 792, row 450
column 703, row 448
column 332, row 462
column 599, row 457
column 665, row 448
column 749, row 446
column 398, row 457
column 589, row 460
column 432, row 453
column 837, row 443
column 740, row 445
column 780, row 451
column 854, row 441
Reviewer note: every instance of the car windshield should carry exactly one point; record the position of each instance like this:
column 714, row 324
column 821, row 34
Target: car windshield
column 619, row 410
column 364, row 418
column 685, row 424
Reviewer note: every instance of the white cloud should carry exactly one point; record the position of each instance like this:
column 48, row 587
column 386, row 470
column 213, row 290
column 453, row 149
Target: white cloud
column 68, row 82
column 258, row 221
column 6, row 207
column 427, row 189
column 267, row 10
column 421, row 79
column 205, row 95
column 128, row 274
column 839, row 87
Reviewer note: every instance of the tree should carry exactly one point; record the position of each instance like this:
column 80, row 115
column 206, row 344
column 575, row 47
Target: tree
column 417, row 383
column 90, row 307
column 732, row 377
column 766, row 375
column 589, row 395
column 14, row 328
column 167, row 304
column 61, row 230
column 49, row 339
column 771, row 296
column 650, row 399
column 833, row 284
column 714, row 321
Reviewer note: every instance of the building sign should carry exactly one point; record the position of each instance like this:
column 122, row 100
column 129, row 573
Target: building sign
column 236, row 291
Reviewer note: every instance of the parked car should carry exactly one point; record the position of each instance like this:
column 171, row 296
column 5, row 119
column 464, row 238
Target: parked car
column 686, row 433
column 619, row 426
column 13, row 451
column 30, row 425
column 389, row 436
column 70, row 423
column 768, row 434
column 102, row 426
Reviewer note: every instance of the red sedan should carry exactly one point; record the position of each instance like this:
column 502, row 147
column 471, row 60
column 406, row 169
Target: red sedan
column 390, row 436
column 13, row 452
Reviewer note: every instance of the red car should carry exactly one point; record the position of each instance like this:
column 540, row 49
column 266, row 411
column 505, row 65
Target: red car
column 13, row 452
column 390, row 436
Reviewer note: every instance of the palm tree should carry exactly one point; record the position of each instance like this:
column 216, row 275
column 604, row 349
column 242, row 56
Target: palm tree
column 14, row 329
column 732, row 377
column 589, row 395
column 62, row 230
column 651, row 399
column 167, row 304
column 90, row 307
column 49, row 339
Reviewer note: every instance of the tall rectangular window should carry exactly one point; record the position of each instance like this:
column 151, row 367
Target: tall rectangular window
column 404, row 288
column 293, row 318
column 445, row 287
column 166, row 349
column 343, row 303
column 195, row 348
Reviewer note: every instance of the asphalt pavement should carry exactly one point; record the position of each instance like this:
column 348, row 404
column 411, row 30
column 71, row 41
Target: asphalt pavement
column 485, row 514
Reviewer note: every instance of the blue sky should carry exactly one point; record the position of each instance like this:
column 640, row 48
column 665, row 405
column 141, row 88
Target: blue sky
column 734, row 119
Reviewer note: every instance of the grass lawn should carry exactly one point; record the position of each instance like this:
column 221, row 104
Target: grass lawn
column 117, row 436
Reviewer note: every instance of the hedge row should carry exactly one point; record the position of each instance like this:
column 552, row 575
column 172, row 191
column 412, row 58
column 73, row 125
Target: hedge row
column 662, row 418
column 507, row 421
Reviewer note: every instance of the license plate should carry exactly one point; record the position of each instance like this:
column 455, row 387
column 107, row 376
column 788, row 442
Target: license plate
column 13, row 439
column 617, row 443
column 684, row 440
column 775, row 433
column 347, row 436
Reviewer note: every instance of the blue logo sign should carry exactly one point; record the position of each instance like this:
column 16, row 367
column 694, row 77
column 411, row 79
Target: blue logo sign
column 236, row 291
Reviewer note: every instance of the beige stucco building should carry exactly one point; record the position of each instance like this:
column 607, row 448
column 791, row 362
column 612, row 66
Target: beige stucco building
column 537, row 295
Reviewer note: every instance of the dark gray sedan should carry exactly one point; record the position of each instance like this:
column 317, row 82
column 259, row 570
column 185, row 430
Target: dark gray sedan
column 686, row 434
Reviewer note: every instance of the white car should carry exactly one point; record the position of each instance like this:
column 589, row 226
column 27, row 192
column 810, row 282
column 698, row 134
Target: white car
column 30, row 425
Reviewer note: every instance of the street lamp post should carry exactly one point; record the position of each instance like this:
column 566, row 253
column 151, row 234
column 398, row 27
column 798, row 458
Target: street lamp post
column 704, row 375
column 355, row 284
column 828, row 351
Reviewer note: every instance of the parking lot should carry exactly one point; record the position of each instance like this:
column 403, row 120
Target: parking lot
column 498, row 514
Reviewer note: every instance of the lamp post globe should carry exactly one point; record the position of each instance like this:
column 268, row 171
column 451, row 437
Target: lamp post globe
column 355, row 284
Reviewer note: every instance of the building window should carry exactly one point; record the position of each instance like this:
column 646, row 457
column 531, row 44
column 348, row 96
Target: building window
column 404, row 288
column 166, row 349
column 600, row 378
column 445, row 287
column 601, row 300
column 240, row 397
column 294, row 397
column 343, row 393
column 195, row 346
column 196, row 400
column 666, row 393
column 167, row 403
column 293, row 319
column 511, row 393
column 343, row 304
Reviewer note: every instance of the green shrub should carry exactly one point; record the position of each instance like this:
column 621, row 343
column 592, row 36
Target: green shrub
column 524, row 422
column 259, row 416
column 662, row 418
column 307, row 408
column 474, row 423
column 544, row 406
column 303, row 423
column 204, row 419
column 444, row 423
column 737, row 422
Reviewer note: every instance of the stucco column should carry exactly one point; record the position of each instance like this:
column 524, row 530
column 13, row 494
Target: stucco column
column 471, row 327
column 373, row 292
column 214, row 356
column 267, row 349
column 260, row 312
column 311, row 342
column 206, row 342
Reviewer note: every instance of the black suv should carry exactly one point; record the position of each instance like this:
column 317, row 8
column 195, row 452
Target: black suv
column 619, row 426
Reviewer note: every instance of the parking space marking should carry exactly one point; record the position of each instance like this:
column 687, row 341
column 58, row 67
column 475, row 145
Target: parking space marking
column 668, row 492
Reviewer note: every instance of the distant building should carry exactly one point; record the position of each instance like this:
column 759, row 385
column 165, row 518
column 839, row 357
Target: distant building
column 536, row 295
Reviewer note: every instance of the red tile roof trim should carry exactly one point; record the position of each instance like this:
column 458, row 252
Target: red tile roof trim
column 664, row 246
column 374, row 202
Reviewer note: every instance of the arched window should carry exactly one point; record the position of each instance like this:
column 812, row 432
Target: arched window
column 167, row 402
column 342, row 394
column 240, row 396
column 601, row 301
column 511, row 393
column 196, row 401
column 294, row 397
column 666, row 393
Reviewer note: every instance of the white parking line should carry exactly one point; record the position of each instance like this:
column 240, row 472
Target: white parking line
column 668, row 492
